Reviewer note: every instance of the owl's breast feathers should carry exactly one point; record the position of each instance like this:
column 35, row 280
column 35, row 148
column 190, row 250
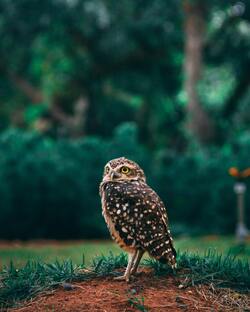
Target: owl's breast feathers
column 137, row 218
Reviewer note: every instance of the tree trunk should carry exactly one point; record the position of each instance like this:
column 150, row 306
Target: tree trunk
column 199, row 123
column 71, row 125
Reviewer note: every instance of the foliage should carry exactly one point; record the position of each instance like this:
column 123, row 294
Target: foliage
column 214, row 268
column 124, row 61
column 50, row 188
column 137, row 303
column 222, row 271
column 127, row 59
column 72, row 54
column 199, row 181
column 104, row 265
column 34, row 277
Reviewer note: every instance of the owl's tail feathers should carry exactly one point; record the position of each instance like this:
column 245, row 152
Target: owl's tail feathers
column 168, row 254
column 163, row 250
column 169, row 257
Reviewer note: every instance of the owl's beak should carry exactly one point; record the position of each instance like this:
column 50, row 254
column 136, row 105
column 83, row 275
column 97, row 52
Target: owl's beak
column 115, row 175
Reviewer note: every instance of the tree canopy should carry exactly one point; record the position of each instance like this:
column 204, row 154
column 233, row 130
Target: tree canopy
column 76, row 67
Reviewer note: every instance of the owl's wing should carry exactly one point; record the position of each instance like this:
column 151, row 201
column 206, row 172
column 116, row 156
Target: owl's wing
column 160, row 245
column 154, row 200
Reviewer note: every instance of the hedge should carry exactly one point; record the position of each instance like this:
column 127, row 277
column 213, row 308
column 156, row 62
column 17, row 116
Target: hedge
column 49, row 188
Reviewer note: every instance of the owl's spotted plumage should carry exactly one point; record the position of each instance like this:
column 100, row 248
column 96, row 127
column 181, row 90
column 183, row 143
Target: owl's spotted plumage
column 135, row 215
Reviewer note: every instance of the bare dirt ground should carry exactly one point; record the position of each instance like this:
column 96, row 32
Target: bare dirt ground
column 146, row 293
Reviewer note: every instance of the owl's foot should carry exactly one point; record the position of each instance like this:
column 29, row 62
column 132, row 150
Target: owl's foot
column 125, row 277
column 133, row 261
column 134, row 271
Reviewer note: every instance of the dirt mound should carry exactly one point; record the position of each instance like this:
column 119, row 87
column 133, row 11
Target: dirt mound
column 145, row 293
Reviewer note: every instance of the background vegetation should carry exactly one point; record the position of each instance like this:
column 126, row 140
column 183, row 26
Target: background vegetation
column 83, row 252
column 49, row 188
column 165, row 83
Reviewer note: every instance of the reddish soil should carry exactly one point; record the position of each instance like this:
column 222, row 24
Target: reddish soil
column 106, row 294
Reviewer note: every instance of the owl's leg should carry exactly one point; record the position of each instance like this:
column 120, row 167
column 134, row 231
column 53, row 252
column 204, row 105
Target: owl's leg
column 138, row 257
column 126, row 276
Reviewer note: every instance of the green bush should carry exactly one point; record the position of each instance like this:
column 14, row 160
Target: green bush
column 49, row 189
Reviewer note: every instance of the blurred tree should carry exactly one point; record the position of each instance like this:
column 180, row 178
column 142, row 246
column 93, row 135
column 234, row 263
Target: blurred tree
column 95, row 64
column 111, row 54
column 199, row 122
column 211, row 30
column 227, row 47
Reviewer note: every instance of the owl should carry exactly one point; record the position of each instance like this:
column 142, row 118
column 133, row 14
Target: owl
column 135, row 215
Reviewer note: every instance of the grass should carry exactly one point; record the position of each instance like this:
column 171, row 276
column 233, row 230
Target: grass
column 25, row 283
column 223, row 271
column 137, row 303
column 79, row 252
column 20, row 253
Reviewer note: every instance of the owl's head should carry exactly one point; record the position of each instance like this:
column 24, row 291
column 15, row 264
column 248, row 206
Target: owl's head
column 123, row 169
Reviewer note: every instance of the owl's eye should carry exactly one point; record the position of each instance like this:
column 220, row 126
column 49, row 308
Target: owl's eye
column 107, row 170
column 125, row 170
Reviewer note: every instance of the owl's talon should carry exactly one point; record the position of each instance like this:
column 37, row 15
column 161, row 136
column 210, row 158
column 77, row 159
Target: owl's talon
column 122, row 278
column 134, row 272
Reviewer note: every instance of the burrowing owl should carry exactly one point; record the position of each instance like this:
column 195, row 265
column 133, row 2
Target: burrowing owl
column 135, row 215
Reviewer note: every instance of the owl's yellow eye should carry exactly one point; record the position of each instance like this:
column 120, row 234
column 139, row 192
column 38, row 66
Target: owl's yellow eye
column 125, row 170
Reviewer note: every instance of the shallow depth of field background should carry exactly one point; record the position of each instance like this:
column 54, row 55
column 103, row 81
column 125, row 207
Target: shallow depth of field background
column 164, row 83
